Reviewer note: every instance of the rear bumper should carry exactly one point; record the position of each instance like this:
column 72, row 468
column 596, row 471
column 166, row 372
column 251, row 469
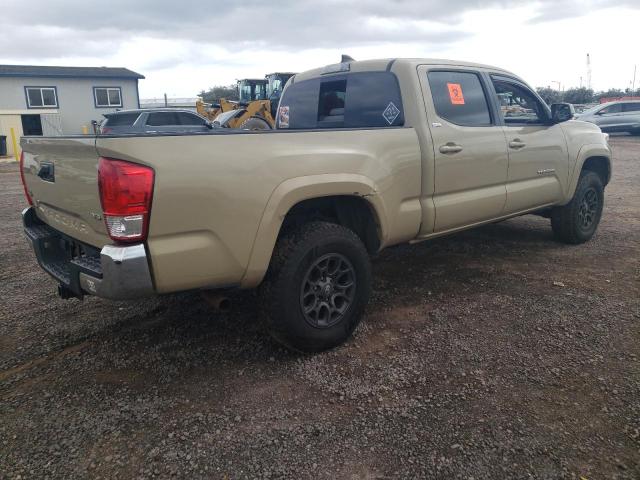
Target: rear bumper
column 115, row 272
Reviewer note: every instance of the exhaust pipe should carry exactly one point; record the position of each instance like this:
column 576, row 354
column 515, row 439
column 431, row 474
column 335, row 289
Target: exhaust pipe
column 220, row 302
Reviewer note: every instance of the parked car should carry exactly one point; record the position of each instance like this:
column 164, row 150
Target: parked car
column 367, row 155
column 157, row 120
column 620, row 116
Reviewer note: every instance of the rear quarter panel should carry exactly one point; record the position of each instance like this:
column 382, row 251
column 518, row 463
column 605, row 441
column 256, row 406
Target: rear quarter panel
column 213, row 193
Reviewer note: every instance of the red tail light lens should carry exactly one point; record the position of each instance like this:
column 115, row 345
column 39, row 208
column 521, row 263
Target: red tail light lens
column 126, row 190
column 24, row 183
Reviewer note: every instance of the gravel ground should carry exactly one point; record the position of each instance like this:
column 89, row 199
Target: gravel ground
column 497, row 353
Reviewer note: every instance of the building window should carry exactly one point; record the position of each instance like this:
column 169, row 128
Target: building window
column 107, row 96
column 41, row 97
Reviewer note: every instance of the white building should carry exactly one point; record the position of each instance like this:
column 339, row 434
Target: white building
column 38, row 100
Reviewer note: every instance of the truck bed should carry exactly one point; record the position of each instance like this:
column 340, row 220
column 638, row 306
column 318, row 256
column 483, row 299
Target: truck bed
column 216, row 193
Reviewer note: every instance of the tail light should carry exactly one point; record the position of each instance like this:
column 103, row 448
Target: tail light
column 24, row 183
column 126, row 190
column 105, row 130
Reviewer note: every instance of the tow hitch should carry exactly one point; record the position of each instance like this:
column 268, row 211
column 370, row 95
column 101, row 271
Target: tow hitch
column 66, row 293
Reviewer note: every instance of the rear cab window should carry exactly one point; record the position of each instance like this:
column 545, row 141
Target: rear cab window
column 351, row 100
column 459, row 98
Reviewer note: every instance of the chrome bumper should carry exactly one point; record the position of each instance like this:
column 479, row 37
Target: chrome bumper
column 115, row 272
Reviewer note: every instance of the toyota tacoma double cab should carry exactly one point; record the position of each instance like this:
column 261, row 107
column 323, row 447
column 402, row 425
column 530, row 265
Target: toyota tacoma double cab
column 366, row 154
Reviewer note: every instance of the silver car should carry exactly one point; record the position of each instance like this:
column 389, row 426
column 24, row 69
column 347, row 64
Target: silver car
column 620, row 116
column 157, row 120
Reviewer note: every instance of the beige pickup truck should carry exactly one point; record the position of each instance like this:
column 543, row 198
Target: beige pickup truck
column 366, row 155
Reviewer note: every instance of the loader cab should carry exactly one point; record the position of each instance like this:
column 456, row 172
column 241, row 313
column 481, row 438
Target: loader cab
column 252, row 89
column 275, row 85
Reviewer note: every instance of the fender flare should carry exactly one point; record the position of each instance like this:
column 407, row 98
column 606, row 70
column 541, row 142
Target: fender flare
column 586, row 152
column 293, row 191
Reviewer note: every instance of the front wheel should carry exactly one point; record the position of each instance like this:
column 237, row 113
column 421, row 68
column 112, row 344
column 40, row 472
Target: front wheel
column 255, row 123
column 317, row 286
column 578, row 220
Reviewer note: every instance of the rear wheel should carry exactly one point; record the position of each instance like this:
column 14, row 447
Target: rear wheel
column 317, row 286
column 578, row 220
column 255, row 123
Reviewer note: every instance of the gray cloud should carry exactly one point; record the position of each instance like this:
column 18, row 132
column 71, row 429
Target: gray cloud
column 561, row 9
column 42, row 29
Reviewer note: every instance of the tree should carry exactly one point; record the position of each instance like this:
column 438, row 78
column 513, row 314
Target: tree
column 611, row 93
column 548, row 94
column 578, row 95
column 215, row 93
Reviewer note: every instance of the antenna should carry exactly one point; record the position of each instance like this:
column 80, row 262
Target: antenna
column 588, row 72
column 346, row 58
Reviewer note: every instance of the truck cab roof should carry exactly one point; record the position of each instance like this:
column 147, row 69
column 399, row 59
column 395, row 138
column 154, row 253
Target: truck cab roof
column 388, row 64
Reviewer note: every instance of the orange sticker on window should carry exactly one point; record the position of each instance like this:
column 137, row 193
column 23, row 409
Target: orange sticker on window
column 455, row 93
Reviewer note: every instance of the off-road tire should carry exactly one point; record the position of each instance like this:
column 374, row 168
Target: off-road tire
column 295, row 255
column 255, row 123
column 566, row 221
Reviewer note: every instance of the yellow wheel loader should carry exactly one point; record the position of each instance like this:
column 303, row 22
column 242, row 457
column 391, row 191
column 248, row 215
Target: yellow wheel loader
column 256, row 108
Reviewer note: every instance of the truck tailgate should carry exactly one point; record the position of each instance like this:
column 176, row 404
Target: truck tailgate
column 61, row 175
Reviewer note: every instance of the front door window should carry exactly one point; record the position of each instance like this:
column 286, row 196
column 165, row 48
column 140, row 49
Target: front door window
column 518, row 105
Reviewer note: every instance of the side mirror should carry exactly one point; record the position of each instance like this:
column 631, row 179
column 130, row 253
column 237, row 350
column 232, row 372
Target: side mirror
column 561, row 112
column 601, row 112
column 209, row 125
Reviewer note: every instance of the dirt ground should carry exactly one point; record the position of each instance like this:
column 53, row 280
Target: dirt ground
column 497, row 353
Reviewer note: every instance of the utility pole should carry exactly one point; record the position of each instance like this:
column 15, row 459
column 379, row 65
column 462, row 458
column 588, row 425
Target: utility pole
column 633, row 84
column 588, row 72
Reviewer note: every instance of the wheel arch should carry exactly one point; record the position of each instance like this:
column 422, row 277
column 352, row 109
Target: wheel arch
column 345, row 195
column 600, row 165
column 595, row 158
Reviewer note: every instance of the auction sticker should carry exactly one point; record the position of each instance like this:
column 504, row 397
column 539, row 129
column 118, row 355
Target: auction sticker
column 455, row 93
column 283, row 116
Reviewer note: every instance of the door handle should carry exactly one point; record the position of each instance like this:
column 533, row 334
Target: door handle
column 450, row 148
column 517, row 143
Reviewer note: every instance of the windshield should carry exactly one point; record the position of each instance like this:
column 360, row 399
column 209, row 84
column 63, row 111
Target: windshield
column 250, row 90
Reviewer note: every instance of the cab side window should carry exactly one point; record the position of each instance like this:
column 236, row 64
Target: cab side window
column 518, row 105
column 459, row 98
column 353, row 100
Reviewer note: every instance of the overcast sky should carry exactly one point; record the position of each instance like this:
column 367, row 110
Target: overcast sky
column 185, row 46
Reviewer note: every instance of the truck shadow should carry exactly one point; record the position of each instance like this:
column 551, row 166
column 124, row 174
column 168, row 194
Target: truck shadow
column 179, row 339
column 402, row 275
